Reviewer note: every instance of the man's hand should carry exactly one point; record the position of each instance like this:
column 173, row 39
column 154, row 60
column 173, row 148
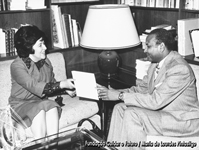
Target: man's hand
column 107, row 94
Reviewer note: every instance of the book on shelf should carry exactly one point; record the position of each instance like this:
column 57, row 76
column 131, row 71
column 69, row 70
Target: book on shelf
column 67, row 23
column 177, row 4
column 152, row 3
column 7, row 42
column 12, row 47
column 159, row 3
column 58, row 39
column 164, row 26
column 79, row 30
column 65, row 40
column 184, row 40
column 129, row 2
column 17, row 4
column 6, row 31
column 3, row 7
column 191, row 4
column 194, row 36
column 138, row 3
column 3, row 43
column 75, row 32
column 65, row 32
column 71, row 30
column 35, row 4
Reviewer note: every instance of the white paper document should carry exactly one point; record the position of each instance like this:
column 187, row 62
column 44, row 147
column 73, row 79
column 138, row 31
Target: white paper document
column 85, row 85
column 194, row 35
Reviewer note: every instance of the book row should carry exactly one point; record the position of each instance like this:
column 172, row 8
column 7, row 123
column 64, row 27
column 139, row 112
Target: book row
column 152, row 3
column 66, row 31
column 7, row 42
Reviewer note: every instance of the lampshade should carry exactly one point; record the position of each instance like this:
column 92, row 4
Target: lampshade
column 109, row 27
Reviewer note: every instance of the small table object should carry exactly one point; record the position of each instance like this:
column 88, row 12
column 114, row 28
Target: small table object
column 74, row 139
column 105, row 106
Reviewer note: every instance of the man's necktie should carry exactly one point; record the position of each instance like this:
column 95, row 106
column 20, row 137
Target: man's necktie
column 157, row 68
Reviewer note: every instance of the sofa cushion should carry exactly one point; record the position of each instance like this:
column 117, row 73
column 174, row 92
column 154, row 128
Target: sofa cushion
column 5, row 82
column 75, row 110
column 196, row 73
column 58, row 63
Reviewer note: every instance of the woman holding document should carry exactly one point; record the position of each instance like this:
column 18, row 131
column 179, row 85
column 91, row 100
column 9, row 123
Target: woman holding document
column 33, row 81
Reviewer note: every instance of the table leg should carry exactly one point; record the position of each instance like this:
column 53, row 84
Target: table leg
column 103, row 114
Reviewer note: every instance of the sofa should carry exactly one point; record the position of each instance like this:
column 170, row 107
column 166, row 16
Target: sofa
column 74, row 109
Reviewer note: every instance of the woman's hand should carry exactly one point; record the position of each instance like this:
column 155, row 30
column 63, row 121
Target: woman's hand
column 68, row 84
column 71, row 93
column 107, row 94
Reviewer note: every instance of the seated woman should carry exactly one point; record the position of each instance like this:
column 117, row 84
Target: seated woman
column 33, row 81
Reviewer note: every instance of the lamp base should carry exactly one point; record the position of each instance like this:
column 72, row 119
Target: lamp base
column 108, row 62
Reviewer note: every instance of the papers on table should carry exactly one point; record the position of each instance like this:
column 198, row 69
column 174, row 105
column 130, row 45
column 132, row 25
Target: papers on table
column 161, row 26
column 85, row 85
column 142, row 66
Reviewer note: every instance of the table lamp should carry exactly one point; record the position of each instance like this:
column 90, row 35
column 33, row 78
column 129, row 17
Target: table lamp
column 109, row 27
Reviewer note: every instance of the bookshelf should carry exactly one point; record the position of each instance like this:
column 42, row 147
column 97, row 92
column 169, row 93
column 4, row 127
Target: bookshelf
column 78, row 9
column 15, row 18
column 145, row 17
column 43, row 18
column 38, row 17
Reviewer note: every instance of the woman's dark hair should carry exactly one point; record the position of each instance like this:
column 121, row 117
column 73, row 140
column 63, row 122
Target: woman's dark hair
column 162, row 35
column 25, row 38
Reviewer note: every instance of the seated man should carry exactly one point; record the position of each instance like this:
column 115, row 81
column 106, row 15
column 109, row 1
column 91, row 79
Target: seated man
column 164, row 103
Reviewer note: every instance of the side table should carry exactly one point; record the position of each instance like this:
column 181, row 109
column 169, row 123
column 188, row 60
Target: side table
column 107, row 106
